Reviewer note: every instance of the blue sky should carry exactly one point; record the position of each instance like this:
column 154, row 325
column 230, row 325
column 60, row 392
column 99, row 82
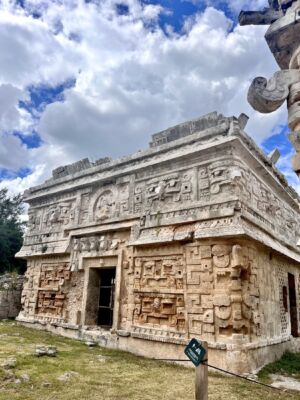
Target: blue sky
column 98, row 78
column 180, row 9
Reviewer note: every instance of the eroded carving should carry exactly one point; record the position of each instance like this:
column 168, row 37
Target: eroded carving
column 51, row 295
column 59, row 215
column 159, row 310
column 181, row 228
column 225, row 292
column 104, row 206
column 282, row 38
column 158, row 273
column 267, row 96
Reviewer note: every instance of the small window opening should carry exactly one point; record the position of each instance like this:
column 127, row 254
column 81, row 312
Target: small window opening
column 285, row 298
column 293, row 305
column 106, row 297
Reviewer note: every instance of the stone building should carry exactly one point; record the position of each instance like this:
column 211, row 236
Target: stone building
column 194, row 237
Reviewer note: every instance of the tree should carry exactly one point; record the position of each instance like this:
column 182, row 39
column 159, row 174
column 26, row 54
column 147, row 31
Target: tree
column 11, row 232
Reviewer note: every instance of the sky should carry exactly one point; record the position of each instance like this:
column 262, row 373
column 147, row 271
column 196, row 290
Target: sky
column 96, row 78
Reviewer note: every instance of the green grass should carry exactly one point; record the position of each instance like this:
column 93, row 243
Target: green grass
column 121, row 376
column 289, row 365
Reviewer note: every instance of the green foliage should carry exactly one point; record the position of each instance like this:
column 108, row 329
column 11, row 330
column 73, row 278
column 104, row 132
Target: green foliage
column 288, row 364
column 11, row 232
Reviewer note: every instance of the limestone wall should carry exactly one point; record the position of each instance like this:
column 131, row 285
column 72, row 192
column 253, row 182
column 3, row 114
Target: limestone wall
column 228, row 292
column 51, row 292
column 216, row 289
column 10, row 295
column 273, row 270
column 215, row 178
column 207, row 288
column 202, row 231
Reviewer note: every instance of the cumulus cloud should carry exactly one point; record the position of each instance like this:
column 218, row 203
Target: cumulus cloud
column 10, row 113
column 131, row 78
column 13, row 154
column 30, row 51
column 41, row 161
column 236, row 5
column 134, row 80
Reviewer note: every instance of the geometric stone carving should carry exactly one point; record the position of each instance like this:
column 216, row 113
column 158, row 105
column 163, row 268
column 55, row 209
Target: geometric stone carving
column 193, row 275
column 208, row 317
column 51, row 297
column 195, row 324
column 158, row 273
column 159, row 310
column 194, row 304
column 198, row 254
column 174, row 229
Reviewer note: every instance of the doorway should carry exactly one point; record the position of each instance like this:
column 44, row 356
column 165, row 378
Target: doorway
column 107, row 278
column 293, row 305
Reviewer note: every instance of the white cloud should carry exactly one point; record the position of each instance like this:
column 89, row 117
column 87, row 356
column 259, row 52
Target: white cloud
column 41, row 161
column 10, row 114
column 235, row 5
column 284, row 163
column 131, row 78
column 30, row 52
column 13, row 154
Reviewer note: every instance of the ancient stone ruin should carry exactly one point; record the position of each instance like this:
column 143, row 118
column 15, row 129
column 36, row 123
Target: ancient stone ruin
column 194, row 237
column 10, row 295
column 282, row 37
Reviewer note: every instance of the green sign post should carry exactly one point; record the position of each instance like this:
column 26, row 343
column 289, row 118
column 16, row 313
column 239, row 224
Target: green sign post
column 195, row 352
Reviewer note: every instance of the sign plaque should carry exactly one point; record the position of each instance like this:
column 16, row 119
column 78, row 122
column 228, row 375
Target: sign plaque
column 195, row 352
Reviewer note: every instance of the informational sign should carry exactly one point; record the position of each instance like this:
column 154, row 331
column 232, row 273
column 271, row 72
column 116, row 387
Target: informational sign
column 195, row 352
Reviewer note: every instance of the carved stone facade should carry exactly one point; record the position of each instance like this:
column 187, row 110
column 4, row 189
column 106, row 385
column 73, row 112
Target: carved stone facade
column 282, row 37
column 195, row 237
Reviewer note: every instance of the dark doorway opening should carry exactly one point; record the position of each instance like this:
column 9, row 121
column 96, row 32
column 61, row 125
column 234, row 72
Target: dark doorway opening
column 106, row 297
column 293, row 305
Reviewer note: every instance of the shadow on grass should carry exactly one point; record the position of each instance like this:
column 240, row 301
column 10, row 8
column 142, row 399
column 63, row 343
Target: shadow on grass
column 288, row 365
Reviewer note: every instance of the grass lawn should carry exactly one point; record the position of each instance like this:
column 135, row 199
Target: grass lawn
column 97, row 373
column 288, row 365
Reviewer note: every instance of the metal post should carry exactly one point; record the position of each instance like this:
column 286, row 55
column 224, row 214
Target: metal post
column 201, row 378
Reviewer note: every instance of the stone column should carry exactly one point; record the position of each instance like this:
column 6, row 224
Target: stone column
column 294, row 112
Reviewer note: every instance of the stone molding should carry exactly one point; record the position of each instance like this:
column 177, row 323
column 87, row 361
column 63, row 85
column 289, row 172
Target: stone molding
column 211, row 177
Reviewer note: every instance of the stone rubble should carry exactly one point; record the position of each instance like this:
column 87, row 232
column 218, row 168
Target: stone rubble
column 67, row 376
column 9, row 363
column 102, row 359
column 41, row 350
column 285, row 382
column 91, row 344
column 25, row 377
